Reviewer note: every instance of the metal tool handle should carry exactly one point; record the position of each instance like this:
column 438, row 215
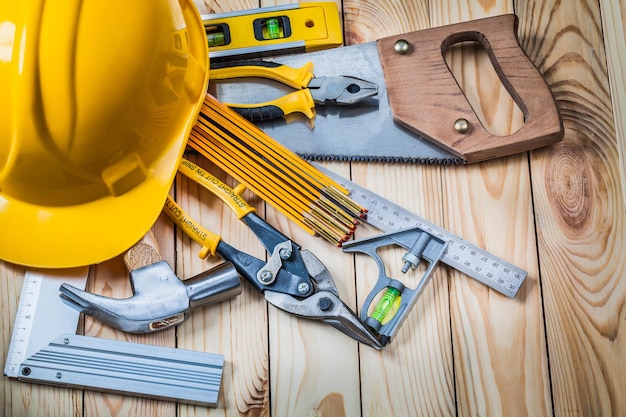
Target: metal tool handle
column 143, row 253
column 213, row 286
column 425, row 97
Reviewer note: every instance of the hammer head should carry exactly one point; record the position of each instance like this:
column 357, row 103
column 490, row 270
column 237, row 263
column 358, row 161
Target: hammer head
column 160, row 300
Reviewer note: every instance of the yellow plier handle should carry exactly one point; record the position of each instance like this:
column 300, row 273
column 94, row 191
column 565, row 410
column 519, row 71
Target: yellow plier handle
column 207, row 239
column 293, row 77
column 299, row 101
column 231, row 197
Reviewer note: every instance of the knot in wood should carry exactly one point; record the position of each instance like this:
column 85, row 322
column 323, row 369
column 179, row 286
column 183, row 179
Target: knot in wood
column 568, row 177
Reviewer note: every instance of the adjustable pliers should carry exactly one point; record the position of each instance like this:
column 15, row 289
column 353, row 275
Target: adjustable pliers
column 293, row 279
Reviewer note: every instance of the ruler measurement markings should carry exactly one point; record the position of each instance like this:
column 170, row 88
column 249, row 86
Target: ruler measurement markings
column 23, row 324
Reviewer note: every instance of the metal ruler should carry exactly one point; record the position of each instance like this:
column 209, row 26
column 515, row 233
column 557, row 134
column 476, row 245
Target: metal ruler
column 462, row 255
column 45, row 349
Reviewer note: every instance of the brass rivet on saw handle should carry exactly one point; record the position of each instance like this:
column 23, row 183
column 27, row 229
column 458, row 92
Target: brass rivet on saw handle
column 401, row 46
column 461, row 125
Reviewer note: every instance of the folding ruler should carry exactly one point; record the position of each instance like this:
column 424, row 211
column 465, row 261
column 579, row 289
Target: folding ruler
column 45, row 349
column 268, row 31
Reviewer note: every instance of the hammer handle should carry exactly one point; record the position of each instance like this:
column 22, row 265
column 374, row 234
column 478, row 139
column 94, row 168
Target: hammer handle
column 145, row 252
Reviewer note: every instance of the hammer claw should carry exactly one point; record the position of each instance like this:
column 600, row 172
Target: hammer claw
column 75, row 297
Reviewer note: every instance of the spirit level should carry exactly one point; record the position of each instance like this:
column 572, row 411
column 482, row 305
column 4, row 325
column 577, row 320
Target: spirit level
column 268, row 31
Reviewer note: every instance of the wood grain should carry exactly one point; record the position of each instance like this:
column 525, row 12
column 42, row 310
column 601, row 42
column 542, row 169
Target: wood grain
column 613, row 19
column 413, row 375
column 111, row 279
column 19, row 399
column 497, row 341
column 580, row 216
column 237, row 328
column 223, row 6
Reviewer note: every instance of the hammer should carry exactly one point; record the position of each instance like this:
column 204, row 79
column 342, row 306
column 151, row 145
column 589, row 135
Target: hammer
column 160, row 300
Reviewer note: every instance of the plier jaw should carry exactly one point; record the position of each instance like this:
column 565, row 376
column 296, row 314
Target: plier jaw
column 341, row 89
column 324, row 304
column 329, row 308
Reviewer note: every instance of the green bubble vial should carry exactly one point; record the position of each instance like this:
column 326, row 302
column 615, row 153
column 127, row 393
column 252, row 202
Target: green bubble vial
column 272, row 27
column 385, row 304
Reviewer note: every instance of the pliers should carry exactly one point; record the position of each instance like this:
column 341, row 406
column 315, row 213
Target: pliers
column 311, row 90
column 293, row 280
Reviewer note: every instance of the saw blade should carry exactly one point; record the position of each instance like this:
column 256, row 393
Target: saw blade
column 364, row 131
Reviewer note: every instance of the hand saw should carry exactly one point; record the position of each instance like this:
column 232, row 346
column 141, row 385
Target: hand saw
column 45, row 349
column 420, row 113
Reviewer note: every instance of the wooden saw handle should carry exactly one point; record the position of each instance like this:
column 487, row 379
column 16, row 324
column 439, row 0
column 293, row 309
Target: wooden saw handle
column 425, row 97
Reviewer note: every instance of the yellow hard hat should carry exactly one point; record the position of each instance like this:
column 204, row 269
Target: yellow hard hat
column 97, row 99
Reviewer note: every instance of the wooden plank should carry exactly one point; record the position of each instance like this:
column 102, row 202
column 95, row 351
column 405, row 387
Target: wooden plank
column 111, row 279
column 614, row 23
column 314, row 367
column 413, row 375
column 580, row 213
column 500, row 359
column 216, row 6
column 236, row 328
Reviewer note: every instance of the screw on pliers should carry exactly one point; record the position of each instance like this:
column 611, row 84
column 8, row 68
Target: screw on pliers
column 293, row 280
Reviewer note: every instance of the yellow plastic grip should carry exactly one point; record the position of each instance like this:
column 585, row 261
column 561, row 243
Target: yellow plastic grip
column 207, row 239
column 293, row 77
column 299, row 101
column 231, row 197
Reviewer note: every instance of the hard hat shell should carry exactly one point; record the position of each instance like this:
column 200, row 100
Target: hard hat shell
column 97, row 99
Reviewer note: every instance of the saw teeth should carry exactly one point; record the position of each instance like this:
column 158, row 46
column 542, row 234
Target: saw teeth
column 388, row 159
